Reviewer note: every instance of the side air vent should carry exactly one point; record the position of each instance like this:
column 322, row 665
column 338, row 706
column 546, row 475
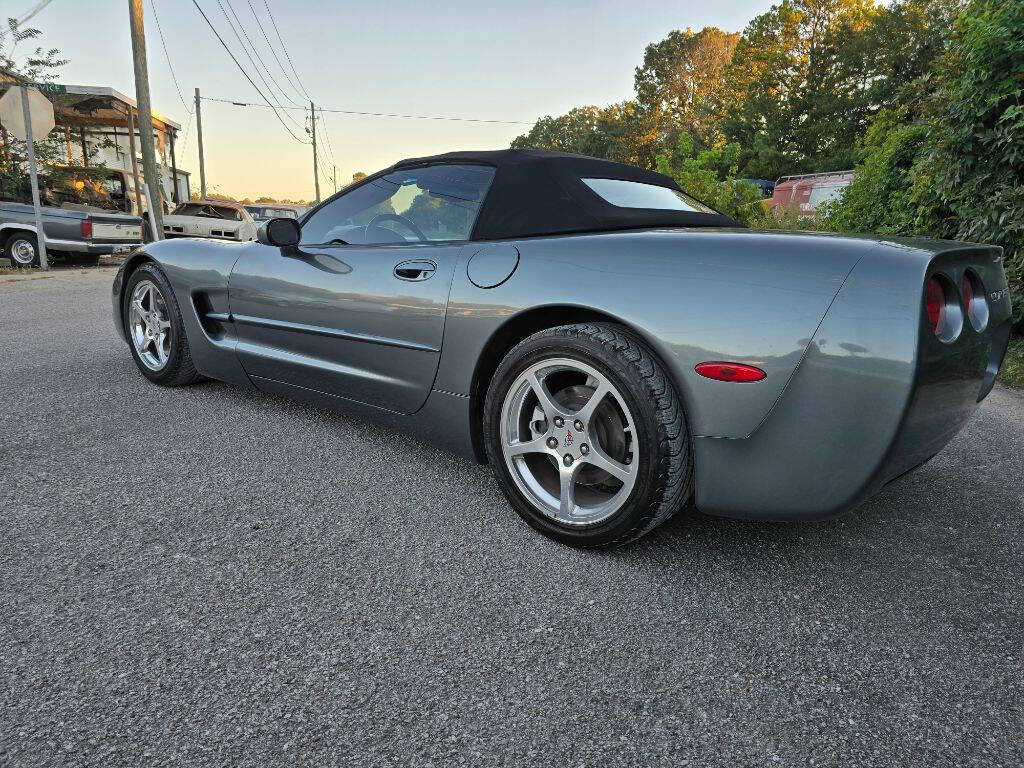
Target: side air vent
column 212, row 313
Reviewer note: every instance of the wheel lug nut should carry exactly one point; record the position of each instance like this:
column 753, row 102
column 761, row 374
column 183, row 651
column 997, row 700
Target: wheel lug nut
column 559, row 422
column 584, row 449
column 552, row 442
column 567, row 459
column 579, row 425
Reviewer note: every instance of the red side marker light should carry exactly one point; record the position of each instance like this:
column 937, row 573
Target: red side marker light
column 721, row 371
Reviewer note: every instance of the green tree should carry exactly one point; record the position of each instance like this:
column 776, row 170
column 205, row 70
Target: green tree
column 680, row 83
column 799, row 79
column 59, row 180
column 620, row 132
column 905, row 40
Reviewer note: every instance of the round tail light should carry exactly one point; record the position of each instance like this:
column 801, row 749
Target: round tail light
column 935, row 302
column 943, row 308
column 975, row 304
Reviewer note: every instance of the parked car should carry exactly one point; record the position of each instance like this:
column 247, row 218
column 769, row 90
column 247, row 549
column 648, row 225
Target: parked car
column 612, row 347
column 806, row 193
column 260, row 212
column 75, row 235
column 218, row 219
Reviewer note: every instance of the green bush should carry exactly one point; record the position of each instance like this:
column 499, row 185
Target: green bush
column 710, row 176
column 976, row 134
column 956, row 168
column 885, row 196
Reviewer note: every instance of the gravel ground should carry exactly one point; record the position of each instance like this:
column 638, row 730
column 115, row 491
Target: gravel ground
column 207, row 576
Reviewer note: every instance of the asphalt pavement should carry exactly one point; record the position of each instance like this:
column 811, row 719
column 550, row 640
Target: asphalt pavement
column 210, row 576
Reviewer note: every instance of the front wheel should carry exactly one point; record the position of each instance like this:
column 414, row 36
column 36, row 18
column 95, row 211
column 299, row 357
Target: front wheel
column 586, row 435
column 155, row 331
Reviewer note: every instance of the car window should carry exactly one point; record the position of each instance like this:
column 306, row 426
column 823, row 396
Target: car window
column 634, row 194
column 437, row 203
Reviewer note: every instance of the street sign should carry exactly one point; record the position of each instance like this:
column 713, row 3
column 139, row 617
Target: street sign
column 12, row 115
column 34, row 107
column 48, row 87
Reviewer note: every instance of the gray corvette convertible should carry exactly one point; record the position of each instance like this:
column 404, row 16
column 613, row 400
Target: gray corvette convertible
column 612, row 347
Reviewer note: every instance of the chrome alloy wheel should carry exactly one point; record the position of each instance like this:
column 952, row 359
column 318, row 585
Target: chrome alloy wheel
column 569, row 441
column 23, row 253
column 149, row 325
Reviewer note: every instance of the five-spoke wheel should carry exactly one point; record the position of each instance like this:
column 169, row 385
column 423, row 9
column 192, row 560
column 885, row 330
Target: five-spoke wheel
column 154, row 328
column 567, row 439
column 586, row 435
column 149, row 325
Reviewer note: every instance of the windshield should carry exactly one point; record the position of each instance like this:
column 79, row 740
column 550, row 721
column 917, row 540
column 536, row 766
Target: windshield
column 206, row 210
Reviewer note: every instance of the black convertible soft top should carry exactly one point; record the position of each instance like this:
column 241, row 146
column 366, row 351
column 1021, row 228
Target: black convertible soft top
column 537, row 192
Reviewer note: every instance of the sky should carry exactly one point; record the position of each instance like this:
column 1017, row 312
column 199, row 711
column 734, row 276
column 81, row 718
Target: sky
column 512, row 61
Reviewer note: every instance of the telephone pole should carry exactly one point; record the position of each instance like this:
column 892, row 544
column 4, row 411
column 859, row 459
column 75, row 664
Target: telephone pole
column 202, row 162
column 334, row 179
column 149, row 169
column 316, row 174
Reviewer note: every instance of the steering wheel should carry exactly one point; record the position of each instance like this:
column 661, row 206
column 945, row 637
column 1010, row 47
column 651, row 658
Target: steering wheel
column 394, row 217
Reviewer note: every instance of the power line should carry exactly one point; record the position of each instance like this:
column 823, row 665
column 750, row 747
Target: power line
column 33, row 11
column 327, row 135
column 284, row 48
column 270, row 45
column 259, row 58
column 174, row 77
column 188, row 127
column 376, row 114
column 276, row 102
column 242, row 70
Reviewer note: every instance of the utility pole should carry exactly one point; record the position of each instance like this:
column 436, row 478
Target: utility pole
column 316, row 174
column 334, row 179
column 149, row 170
column 202, row 162
column 30, row 148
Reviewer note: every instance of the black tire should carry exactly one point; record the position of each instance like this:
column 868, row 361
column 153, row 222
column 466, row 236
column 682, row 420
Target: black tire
column 19, row 243
column 664, row 482
column 179, row 370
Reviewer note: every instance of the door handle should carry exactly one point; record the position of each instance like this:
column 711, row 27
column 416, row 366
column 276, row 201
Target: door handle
column 415, row 270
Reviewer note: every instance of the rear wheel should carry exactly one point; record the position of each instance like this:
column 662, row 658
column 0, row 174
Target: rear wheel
column 22, row 250
column 586, row 435
column 155, row 331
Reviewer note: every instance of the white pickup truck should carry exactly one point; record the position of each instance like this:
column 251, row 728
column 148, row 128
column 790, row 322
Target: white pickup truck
column 217, row 219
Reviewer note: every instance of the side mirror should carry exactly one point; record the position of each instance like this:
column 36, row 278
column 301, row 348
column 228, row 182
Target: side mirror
column 282, row 233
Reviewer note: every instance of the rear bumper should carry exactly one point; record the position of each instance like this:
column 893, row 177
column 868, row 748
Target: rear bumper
column 876, row 395
column 93, row 248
